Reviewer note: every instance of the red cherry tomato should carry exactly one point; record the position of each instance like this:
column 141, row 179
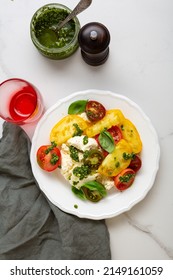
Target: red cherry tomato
column 135, row 163
column 49, row 157
column 124, row 179
column 116, row 133
column 95, row 111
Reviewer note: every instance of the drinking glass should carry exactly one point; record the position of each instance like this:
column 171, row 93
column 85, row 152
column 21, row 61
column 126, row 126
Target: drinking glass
column 20, row 101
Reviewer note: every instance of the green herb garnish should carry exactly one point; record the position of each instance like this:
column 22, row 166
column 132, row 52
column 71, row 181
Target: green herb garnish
column 86, row 154
column 82, row 171
column 126, row 178
column 95, row 186
column 74, row 153
column 53, row 145
column 122, row 127
column 54, row 159
column 106, row 141
column 85, row 140
column 78, row 193
column 127, row 156
column 77, row 107
column 78, row 131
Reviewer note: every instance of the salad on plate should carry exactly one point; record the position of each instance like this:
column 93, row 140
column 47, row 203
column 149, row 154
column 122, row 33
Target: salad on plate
column 94, row 149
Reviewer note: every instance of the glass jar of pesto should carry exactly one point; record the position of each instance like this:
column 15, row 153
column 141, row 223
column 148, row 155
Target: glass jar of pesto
column 49, row 43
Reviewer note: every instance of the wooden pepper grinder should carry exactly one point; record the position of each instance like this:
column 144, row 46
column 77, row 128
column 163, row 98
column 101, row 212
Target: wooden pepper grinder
column 94, row 39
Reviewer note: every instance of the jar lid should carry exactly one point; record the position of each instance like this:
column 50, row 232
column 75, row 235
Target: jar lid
column 94, row 38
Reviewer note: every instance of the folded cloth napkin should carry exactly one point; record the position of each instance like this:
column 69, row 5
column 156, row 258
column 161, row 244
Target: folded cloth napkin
column 31, row 227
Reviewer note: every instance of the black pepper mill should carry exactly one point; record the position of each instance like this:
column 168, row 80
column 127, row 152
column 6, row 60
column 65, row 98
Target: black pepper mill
column 94, row 39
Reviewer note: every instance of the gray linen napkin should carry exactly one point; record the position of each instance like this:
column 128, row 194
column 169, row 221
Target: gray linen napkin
column 31, row 227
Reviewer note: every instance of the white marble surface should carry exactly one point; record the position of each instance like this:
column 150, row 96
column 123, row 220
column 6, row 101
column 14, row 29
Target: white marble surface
column 140, row 66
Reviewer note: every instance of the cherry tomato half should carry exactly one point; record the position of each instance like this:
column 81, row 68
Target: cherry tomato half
column 135, row 163
column 48, row 157
column 116, row 133
column 124, row 179
column 95, row 111
column 93, row 196
column 94, row 159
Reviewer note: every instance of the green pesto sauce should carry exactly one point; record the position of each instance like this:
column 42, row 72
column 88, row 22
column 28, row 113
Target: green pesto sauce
column 74, row 153
column 82, row 171
column 48, row 37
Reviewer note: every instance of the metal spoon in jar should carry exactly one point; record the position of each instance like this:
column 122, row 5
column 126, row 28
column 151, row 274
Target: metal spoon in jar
column 81, row 6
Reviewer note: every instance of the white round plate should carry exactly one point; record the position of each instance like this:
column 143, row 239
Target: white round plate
column 59, row 191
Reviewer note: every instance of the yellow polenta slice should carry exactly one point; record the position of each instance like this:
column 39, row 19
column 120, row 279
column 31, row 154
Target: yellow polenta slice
column 112, row 117
column 66, row 128
column 131, row 135
column 115, row 162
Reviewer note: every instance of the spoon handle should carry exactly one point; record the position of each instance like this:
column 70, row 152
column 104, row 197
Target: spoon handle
column 81, row 6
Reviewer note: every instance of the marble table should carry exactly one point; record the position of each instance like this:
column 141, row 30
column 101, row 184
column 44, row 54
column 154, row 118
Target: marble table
column 140, row 66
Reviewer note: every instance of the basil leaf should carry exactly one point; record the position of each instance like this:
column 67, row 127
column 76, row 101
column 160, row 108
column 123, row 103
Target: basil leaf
column 95, row 186
column 106, row 141
column 78, row 193
column 77, row 107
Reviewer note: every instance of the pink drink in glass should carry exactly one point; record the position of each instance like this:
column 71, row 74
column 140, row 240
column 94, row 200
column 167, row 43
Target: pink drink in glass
column 20, row 101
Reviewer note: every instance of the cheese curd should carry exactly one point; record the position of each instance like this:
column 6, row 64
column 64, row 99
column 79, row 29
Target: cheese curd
column 84, row 116
column 68, row 164
column 78, row 143
column 106, row 181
